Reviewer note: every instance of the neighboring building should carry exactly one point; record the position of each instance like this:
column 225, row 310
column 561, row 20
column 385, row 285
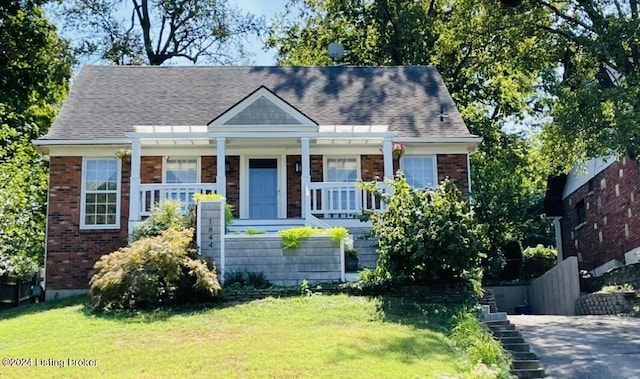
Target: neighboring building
column 597, row 210
column 284, row 145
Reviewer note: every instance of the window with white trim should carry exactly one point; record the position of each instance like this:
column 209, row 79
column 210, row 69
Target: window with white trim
column 181, row 171
column 420, row 170
column 342, row 170
column 100, row 204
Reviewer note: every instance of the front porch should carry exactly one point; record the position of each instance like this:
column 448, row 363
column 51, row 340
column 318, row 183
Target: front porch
column 303, row 178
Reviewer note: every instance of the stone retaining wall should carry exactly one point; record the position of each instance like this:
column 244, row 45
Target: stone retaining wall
column 614, row 303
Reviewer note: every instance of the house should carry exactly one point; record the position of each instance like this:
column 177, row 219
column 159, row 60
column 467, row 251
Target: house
column 284, row 145
column 597, row 213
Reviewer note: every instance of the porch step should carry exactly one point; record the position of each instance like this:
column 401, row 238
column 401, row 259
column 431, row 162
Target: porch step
column 266, row 225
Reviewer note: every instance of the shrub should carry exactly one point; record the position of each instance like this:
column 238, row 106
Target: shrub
column 617, row 288
column 478, row 346
column 166, row 214
column 228, row 208
column 153, row 271
column 291, row 237
column 244, row 279
column 18, row 265
column 427, row 236
column 538, row 260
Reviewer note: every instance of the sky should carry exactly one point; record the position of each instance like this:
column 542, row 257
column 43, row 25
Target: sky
column 268, row 9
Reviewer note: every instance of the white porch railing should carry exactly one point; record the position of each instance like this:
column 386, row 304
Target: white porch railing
column 341, row 200
column 151, row 194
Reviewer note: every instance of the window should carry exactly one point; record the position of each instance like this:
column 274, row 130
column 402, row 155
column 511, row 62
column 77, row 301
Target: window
column 100, row 204
column 420, row 171
column 181, row 171
column 342, row 170
column 581, row 213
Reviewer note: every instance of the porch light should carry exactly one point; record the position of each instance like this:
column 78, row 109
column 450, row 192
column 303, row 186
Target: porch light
column 227, row 166
column 298, row 167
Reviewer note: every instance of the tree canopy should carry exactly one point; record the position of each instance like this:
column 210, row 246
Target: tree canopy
column 157, row 31
column 35, row 67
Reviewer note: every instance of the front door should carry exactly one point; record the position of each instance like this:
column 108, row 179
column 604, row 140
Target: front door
column 263, row 188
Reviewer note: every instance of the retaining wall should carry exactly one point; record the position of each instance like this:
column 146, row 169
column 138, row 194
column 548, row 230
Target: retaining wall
column 556, row 292
column 606, row 303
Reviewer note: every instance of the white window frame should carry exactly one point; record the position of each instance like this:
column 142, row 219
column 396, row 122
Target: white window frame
column 84, row 192
column 434, row 160
column 165, row 163
column 325, row 165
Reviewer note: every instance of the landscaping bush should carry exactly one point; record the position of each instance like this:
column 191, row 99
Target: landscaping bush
column 166, row 214
column 245, row 279
column 153, row 271
column 480, row 349
column 538, row 260
column 427, row 236
column 18, row 265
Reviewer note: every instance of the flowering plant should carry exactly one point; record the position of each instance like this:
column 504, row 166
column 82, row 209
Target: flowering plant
column 123, row 154
column 398, row 149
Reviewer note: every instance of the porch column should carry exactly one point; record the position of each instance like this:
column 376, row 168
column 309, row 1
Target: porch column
column 221, row 174
column 305, row 177
column 388, row 157
column 134, row 182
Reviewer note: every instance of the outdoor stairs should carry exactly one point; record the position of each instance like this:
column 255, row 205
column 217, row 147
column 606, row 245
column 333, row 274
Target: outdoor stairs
column 525, row 364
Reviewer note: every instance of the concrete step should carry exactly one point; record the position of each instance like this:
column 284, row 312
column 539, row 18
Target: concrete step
column 499, row 323
column 510, row 340
column 523, row 355
column 495, row 317
column 525, row 364
column 526, row 374
column 501, row 327
column 516, row 347
column 506, row 333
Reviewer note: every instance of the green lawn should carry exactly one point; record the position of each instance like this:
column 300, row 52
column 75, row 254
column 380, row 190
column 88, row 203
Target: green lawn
column 298, row 337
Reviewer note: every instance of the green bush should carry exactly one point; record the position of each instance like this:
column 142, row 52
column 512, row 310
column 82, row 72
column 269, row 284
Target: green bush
column 427, row 236
column 245, row 279
column 166, row 215
column 18, row 265
column 291, row 237
column 478, row 345
column 537, row 260
column 153, row 271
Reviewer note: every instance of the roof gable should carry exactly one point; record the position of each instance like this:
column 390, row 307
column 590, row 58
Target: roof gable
column 262, row 108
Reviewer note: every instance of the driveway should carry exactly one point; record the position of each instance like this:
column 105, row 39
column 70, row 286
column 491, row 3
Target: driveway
column 602, row 347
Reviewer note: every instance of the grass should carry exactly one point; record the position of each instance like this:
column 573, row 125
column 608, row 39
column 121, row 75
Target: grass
column 299, row 337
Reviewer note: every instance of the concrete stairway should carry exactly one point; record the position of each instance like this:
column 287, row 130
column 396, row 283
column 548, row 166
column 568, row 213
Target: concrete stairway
column 524, row 364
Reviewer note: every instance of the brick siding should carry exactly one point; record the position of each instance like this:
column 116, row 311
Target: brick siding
column 71, row 252
column 454, row 167
column 612, row 210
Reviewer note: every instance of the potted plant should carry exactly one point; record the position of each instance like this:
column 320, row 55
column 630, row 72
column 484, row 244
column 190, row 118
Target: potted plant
column 350, row 260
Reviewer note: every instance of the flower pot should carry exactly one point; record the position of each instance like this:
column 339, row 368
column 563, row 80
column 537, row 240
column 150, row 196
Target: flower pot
column 523, row 309
column 351, row 264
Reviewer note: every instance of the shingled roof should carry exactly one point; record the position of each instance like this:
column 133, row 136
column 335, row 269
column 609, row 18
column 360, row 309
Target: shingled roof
column 106, row 102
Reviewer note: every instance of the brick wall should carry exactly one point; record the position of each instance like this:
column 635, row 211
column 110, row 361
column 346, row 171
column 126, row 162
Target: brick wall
column 612, row 213
column 233, row 183
column 454, row 167
column 294, row 187
column 151, row 170
column 71, row 252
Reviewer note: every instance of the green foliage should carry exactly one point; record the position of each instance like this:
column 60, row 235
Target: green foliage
column 245, row 279
column 427, row 236
column 479, row 346
column 291, row 237
column 35, row 67
column 617, row 288
column 251, row 231
column 538, row 260
column 228, row 208
column 151, row 272
column 18, row 265
column 166, row 215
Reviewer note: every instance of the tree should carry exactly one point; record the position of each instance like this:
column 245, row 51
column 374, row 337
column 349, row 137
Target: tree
column 35, row 67
column 596, row 107
column 491, row 64
column 157, row 31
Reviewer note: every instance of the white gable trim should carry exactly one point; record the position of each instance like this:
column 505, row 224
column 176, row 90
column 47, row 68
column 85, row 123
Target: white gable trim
column 220, row 122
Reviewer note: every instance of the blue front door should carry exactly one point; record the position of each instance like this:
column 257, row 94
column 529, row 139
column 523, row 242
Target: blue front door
column 263, row 188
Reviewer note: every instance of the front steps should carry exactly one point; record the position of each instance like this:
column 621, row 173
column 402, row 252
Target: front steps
column 524, row 364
